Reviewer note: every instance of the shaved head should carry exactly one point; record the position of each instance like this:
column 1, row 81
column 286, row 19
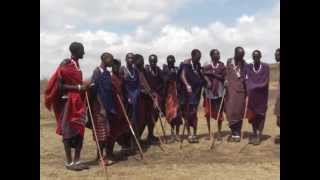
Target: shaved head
column 77, row 50
column 171, row 60
column 153, row 60
column 196, row 55
column 215, row 55
column 239, row 53
column 130, row 59
column 107, row 59
column 256, row 56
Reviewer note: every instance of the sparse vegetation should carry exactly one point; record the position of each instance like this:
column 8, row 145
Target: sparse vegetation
column 194, row 161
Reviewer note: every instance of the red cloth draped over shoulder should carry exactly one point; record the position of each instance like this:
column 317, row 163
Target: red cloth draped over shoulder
column 76, row 105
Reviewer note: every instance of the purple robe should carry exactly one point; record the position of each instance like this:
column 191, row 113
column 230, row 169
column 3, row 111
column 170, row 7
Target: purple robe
column 257, row 88
column 235, row 92
column 189, row 102
column 131, row 84
column 195, row 80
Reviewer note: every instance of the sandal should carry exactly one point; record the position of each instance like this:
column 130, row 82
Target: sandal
column 82, row 165
column 236, row 138
column 73, row 167
column 108, row 162
column 195, row 139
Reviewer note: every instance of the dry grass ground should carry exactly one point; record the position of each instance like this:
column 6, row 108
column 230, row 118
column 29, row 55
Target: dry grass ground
column 194, row 161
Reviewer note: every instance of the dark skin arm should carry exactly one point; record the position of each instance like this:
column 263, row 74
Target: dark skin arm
column 208, row 81
column 184, row 80
column 67, row 87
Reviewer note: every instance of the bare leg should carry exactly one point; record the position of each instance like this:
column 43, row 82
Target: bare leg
column 188, row 130
column 173, row 136
column 219, row 138
column 209, row 129
column 151, row 129
column 172, row 130
column 219, row 126
column 77, row 153
column 177, row 130
column 67, row 149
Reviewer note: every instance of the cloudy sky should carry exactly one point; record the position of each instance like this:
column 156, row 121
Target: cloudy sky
column 161, row 27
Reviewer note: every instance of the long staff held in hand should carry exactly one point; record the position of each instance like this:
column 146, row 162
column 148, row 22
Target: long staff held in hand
column 130, row 126
column 244, row 117
column 156, row 105
column 218, row 116
column 157, row 129
column 95, row 134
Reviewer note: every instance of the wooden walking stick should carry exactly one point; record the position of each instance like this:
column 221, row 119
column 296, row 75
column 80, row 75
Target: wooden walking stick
column 130, row 126
column 244, row 116
column 95, row 134
column 160, row 114
column 162, row 127
column 160, row 140
column 218, row 116
column 159, row 117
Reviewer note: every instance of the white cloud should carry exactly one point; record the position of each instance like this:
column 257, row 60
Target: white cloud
column 55, row 14
column 246, row 19
column 258, row 31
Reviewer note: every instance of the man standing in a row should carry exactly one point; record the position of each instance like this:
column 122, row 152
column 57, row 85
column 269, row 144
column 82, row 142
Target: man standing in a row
column 214, row 74
column 145, row 104
column 154, row 78
column 103, row 104
column 171, row 101
column 64, row 94
column 192, row 83
column 131, row 94
column 257, row 88
column 235, row 98
column 119, row 125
